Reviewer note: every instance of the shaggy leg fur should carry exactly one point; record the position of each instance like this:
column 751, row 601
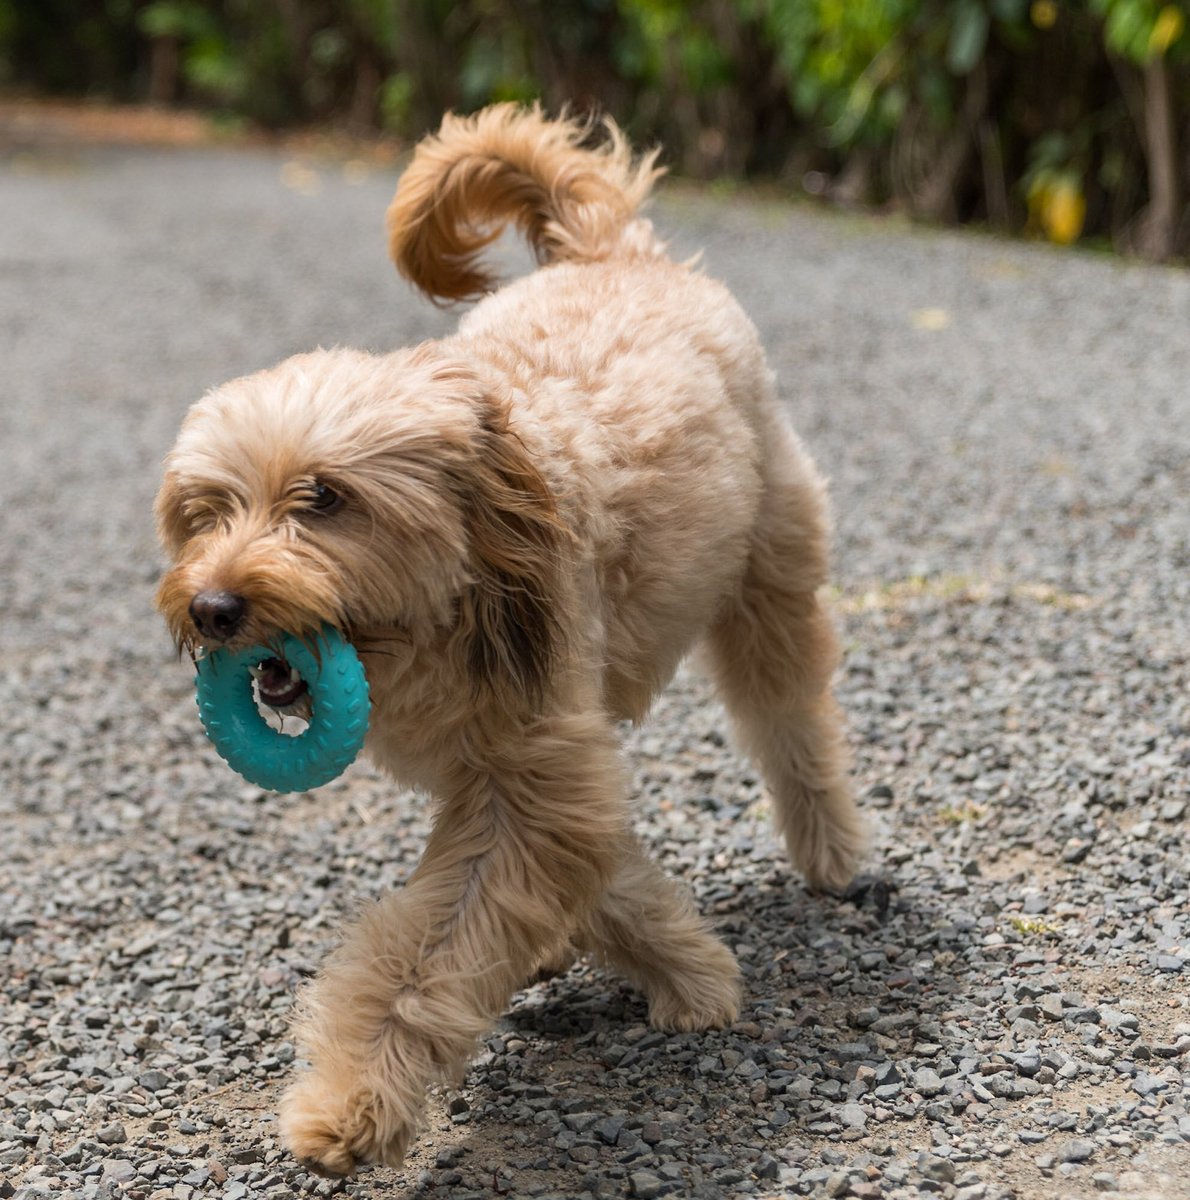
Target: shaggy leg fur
column 518, row 855
column 554, row 963
column 646, row 926
column 773, row 651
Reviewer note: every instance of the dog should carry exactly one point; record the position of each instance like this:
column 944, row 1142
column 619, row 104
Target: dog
column 522, row 528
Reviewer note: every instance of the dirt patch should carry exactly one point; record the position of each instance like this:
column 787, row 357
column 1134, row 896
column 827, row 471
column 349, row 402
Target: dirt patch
column 45, row 124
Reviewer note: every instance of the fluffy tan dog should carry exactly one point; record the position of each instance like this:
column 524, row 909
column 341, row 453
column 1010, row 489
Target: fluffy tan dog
column 522, row 528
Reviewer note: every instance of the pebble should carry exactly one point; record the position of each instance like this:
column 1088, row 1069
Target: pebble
column 927, row 1081
column 1051, row 1006
column 940, row 1170
column 111, row 1134
column 1076, row 1150
column 853, row 1116
column 644, row 1185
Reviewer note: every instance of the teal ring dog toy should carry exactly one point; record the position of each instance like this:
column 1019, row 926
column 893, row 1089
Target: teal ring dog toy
column 338, row 691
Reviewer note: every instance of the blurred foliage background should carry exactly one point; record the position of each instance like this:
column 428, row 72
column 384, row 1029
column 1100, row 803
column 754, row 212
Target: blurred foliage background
column 1066, row 120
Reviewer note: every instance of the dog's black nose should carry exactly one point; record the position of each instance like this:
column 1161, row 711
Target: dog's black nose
column 218, row 614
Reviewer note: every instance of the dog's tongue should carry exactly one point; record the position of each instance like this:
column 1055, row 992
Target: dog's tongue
column 280, row 686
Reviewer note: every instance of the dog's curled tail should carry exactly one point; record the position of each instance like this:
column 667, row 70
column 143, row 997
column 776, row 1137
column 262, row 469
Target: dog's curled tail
column 509, row 163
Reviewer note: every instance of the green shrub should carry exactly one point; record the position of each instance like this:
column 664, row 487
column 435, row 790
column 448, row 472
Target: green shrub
column 1058, row 117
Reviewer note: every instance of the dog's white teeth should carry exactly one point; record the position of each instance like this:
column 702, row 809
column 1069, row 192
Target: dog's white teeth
column 294, row 676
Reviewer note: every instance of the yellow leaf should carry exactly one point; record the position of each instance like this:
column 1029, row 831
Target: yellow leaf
column 1043, row 13
column 1166, row 29
column 1063, row 211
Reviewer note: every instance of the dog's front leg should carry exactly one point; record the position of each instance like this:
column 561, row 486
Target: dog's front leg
column 523, row 843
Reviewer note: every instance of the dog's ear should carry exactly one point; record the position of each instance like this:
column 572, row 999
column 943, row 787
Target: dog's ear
column 172, row 526
column 518, row 544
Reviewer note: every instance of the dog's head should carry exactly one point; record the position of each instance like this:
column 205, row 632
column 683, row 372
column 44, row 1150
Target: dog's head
column 385, row 496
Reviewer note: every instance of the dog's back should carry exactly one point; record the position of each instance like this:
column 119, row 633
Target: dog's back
column 639, row 384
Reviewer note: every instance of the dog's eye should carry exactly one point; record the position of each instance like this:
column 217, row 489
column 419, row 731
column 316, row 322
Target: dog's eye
column 202, row 513
column 324, row 499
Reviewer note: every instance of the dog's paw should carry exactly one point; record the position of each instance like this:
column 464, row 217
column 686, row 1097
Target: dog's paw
column 704, row 995
column 830, row 870
column 555, row 963
column 331, row 1133
column 828, row 849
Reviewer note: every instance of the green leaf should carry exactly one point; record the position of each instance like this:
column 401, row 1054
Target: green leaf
column 396, row 100
column 173, row 18
column 968, row 37
column 1011, row 12
column 1128, row 26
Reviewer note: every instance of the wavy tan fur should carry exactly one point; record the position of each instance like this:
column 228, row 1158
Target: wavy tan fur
column 511, row 164
column 542, row 514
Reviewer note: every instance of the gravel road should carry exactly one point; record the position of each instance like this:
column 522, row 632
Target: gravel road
column 999, row 1006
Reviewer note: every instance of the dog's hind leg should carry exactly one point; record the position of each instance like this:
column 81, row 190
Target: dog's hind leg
column 773, row 650
column 647, row 927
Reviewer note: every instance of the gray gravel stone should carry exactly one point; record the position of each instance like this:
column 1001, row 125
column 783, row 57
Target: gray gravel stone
column 853, row 1116
column 644, row 1184
column 927, row 1081
column 1076, row 1151
column 941, row 1170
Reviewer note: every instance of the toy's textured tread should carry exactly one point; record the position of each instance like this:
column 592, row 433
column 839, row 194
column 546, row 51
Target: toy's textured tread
column 339, row 723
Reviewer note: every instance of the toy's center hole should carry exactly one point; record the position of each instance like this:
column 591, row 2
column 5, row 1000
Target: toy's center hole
column 282, row 693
